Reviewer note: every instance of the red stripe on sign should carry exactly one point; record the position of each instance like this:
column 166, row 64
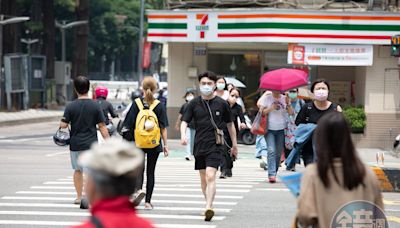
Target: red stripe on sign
column 167, row 35
column 232, row 35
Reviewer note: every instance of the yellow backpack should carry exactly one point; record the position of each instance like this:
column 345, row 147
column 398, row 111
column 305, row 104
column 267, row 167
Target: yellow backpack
column 150, row 137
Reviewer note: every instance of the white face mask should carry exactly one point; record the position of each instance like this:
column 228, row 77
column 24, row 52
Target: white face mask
column 321, row 94
column 220, row 86
column 206, row 90
column 189, row 98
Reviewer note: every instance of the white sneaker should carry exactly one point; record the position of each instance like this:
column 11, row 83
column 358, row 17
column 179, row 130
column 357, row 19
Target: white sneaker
column 138, row 197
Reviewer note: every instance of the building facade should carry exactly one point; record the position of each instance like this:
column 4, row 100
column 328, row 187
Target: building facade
column 350, row 49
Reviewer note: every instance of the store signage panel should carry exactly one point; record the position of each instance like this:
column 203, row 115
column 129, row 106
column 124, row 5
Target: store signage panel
column 330, row 55
column 261, row 25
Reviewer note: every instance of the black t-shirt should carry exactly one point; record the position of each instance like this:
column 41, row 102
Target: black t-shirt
column 182, row 112
column 237, row 111
column 205, row 141
column 130, row 121
column 83, row 115
column 309, row 113
column 106, row 107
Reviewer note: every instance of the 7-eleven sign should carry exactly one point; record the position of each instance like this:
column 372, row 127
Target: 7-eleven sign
column 203, row 27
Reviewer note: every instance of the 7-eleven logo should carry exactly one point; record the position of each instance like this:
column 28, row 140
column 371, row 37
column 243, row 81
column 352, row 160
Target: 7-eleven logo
column 202, row 27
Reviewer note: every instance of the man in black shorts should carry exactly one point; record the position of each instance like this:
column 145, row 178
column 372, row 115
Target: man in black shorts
column 83, row 114
column 207, row 152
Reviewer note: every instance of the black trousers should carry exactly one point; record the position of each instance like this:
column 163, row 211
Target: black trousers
column 227, row 162
column 152, row 157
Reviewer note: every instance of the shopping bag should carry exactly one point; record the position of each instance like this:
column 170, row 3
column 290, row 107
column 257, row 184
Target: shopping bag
column 259, row 126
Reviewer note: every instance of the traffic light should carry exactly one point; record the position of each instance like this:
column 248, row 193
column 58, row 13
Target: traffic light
column 395, row 51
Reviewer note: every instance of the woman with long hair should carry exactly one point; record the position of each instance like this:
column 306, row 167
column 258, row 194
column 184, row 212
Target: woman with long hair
column 337, row 178
column 236, row 112
column 149, row 87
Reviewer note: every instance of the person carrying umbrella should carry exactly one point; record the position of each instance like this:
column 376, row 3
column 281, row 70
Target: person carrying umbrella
column 277, row 107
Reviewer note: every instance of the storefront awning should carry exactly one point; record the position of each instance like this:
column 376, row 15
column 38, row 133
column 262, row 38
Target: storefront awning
column 266, row 25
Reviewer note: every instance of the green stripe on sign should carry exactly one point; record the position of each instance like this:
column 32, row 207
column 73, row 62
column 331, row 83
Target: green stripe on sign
column 167, row 26
column 263, row 25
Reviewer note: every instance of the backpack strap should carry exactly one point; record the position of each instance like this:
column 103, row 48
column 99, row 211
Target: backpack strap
column 334, row 106
column 309, row 107
column 139, row 103
column 154, row 105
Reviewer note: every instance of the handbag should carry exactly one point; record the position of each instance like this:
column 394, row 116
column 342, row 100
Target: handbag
column 259, row 126
column 219, row 134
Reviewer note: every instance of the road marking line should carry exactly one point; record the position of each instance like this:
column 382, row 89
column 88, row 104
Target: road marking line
column 391, row 202
column 222, row 210
column 187, row 217
column 392, row 210
column 86, row 214
column 58, row 223
column 38, row 223
column 51, row 187
column 58, row 182
column 196, row 196
column 49, row 213
column 393, row 219
column 273, row 189
column 155, row 194
column 164, row 185
column 71, row 199
column 194, row 181
column 193, row 202
column 56, row 154
column 38, row 198
column 39, row 205
column 183, row 226
column 156, row 189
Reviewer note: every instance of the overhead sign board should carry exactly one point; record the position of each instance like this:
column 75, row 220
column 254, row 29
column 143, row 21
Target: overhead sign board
column 330, row 55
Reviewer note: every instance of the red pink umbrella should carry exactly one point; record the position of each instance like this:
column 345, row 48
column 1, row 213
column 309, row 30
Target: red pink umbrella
column 283, row 79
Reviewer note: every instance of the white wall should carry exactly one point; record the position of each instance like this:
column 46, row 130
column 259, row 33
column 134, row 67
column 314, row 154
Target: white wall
column 181, row 57
column 375, row 80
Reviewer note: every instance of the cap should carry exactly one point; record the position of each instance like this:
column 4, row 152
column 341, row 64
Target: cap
column 115, row 157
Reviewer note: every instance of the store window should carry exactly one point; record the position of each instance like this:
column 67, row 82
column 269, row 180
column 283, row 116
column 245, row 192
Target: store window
column 244, row 66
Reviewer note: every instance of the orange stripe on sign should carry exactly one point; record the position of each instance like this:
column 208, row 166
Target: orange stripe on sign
column 153, row 16
column 299, row 16
column 199, row 16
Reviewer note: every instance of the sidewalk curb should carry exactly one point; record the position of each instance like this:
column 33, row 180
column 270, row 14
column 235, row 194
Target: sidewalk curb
column 29, row 121
column 389, row 178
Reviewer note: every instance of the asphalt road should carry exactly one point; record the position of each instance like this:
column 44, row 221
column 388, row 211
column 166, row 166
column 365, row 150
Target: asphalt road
column 37, row 191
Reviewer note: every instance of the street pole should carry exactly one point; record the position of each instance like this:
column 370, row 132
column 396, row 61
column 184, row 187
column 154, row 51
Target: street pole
column 140, row 54
column 63, row 42
column 64, row 26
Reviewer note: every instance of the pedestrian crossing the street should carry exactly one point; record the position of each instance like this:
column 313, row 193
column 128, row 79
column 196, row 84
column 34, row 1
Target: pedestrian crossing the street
column 177, row 199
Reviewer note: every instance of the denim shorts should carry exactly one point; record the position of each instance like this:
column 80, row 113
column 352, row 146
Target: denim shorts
column 74, row 160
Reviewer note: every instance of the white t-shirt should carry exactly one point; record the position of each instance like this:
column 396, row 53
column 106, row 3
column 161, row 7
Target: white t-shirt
column 276, row 118
column 225, row 96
